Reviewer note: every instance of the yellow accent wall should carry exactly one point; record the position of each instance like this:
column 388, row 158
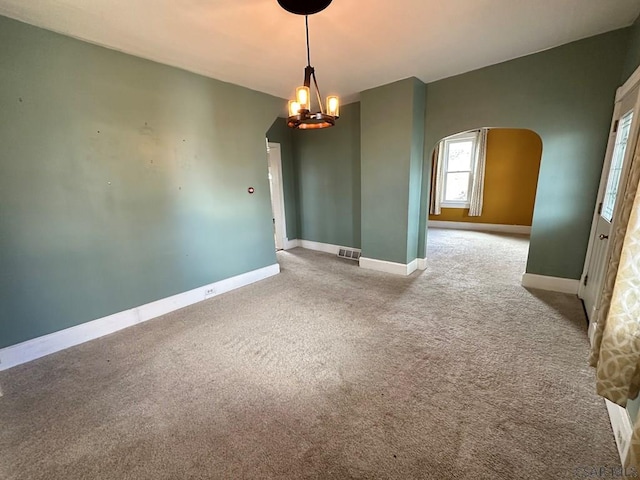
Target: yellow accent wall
column 511, row 180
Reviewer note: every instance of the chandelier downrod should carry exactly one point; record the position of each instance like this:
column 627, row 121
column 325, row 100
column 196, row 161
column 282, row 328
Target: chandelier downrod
column 306, row 25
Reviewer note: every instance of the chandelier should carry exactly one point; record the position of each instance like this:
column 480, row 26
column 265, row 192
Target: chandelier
column 300, row 114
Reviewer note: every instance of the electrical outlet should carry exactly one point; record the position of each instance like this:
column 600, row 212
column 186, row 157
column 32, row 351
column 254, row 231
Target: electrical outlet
column 209, row 292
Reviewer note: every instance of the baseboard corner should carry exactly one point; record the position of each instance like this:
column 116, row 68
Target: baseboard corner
column 553, row 284
column 290, row 244
column 389, row 267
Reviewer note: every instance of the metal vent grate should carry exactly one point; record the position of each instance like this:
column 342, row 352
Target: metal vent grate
column 349, row 254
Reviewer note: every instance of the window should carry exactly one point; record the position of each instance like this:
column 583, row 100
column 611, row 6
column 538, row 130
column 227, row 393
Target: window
column 615, row 169
column 458, row 154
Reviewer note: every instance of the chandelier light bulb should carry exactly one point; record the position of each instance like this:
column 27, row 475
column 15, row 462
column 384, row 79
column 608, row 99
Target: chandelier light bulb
column 303, row 97
column 333, row 106
column 294, row 108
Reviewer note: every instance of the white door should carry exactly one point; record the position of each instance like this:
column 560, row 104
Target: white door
column 619, row 151
column 277, row 194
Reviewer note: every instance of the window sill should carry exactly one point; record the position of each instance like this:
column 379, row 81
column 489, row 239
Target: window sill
column 454, row 205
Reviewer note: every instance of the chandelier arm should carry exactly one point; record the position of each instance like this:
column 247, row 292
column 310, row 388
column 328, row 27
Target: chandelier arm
column 315, row 83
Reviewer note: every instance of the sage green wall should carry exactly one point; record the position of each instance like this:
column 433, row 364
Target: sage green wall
column 415, row 170
column 328, row 176
column 122, row 181
column 280, row 133
column 632, row 58
column 389, row 157
column 566, row 95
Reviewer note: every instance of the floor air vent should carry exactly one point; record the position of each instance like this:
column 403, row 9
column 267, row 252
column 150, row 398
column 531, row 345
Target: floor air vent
column 350, row 254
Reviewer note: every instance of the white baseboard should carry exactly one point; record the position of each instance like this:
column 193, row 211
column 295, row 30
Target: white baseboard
column 289, row 244
column 54, row 342
column 319, row 247
column 369, row 263
column 323, row 247
column 591, row 332
column 555, row 284
column 622, row 428
column 481, row 227
column 412, row 266
column 389, row 267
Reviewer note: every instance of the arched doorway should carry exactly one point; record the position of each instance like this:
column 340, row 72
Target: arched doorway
column 506, row 177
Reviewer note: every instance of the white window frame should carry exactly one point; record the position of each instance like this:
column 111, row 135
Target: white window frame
column 444, row 151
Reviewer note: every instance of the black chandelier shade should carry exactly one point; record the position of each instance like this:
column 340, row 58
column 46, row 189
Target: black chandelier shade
column 304, row 7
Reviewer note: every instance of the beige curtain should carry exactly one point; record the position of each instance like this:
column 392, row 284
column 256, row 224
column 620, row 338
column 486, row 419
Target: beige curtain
column 437, row 181
column 616, row 348
column 477, row 189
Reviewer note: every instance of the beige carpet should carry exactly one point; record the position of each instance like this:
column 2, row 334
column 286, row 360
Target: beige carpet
column 326, row 371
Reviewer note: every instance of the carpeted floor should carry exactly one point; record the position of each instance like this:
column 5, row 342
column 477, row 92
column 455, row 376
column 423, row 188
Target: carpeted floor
column 326, row 371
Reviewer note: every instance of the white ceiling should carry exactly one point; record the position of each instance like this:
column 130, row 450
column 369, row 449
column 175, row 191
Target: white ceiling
column 355, row 44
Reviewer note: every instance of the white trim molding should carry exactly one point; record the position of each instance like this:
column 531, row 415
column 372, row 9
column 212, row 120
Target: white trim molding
column 319, row 247
column 389, row 267
column 323, row 247
column 628, row 85
column 367, row 263
column 481, row 227
column 622, row 428
column 274, row 161
column 54, row 342
column 289, row 244
column 591, row 332
column 554, row 284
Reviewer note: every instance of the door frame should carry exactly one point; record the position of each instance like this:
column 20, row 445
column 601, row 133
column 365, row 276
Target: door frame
column 279, row 213
column 621, row 92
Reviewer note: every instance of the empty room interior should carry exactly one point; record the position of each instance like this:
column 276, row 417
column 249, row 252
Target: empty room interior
column 319, row 239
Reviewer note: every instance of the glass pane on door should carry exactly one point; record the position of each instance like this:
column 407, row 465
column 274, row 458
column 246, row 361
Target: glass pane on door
column 615, row 169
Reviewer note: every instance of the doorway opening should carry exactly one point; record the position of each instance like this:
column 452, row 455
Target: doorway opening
column 276, row 188
column 623, row 136
column 485, row 181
